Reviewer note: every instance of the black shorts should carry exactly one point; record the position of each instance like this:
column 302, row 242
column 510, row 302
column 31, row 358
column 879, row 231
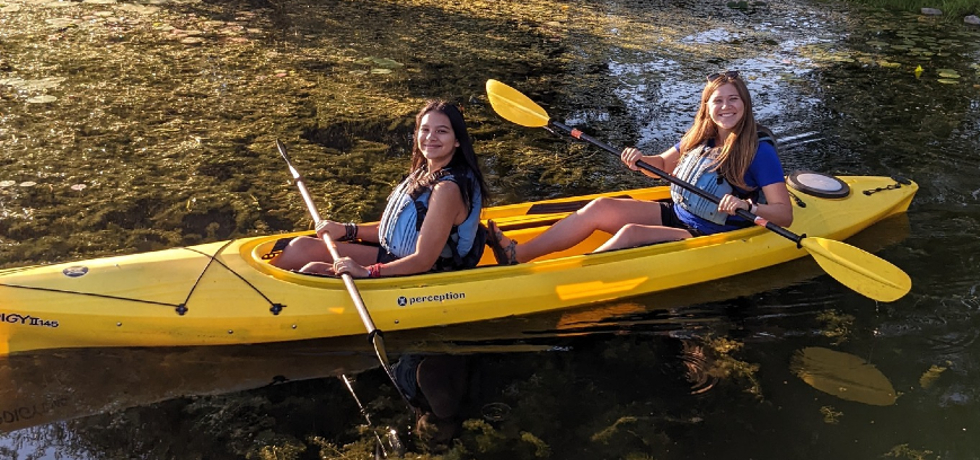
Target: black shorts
column 384, row 256
column 669, row 219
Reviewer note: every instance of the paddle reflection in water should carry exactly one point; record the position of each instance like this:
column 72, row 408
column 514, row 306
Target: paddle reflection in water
column 843, row 375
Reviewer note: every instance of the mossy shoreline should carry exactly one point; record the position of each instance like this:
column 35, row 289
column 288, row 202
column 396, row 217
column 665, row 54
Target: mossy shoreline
column 953, row 10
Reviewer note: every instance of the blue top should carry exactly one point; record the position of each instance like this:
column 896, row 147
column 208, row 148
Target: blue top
column 764, row 170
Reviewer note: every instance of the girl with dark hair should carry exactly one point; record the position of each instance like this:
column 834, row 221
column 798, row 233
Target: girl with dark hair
column 720, row 153
column 431, row 221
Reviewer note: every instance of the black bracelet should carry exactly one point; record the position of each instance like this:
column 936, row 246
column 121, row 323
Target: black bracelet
column 350, row 231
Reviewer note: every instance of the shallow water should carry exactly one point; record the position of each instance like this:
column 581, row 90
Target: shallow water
column 128, row 127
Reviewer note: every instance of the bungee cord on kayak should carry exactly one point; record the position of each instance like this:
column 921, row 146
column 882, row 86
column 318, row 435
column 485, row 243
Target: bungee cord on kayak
column 181, row 308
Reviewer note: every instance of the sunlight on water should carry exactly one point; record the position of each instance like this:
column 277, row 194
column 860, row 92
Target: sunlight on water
column 128, row 128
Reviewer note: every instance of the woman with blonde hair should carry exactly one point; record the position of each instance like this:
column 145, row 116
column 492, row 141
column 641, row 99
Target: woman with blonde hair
column 720, row 153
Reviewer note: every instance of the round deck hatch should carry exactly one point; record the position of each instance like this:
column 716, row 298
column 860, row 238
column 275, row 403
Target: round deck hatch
column 818, row 184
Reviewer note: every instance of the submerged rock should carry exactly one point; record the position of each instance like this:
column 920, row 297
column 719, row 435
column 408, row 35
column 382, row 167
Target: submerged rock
column 931, row 12
column 972, row 19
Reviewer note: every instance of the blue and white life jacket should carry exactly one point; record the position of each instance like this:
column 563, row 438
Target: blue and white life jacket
column 698, row 168
column 407, row 206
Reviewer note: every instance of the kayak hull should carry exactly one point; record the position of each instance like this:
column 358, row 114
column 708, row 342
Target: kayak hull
column 224, row 293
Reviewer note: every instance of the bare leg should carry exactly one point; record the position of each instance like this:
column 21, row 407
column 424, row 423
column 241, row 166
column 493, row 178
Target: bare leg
column 305, row 249
column 632, row 235
column 606, row 214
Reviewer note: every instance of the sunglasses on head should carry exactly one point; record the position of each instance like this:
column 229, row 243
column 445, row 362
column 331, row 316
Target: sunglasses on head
column 729, row 74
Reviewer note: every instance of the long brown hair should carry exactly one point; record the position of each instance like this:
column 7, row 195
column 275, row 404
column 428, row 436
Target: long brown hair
column 463, row 157
column 739, row 148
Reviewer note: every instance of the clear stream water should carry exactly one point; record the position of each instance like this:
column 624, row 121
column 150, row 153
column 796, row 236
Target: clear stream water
column 128, row 127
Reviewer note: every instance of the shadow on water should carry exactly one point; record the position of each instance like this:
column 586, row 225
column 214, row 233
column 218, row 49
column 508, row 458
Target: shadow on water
column 51, row 386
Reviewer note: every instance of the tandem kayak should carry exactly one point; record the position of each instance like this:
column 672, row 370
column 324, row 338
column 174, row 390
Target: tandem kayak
column 226, row 292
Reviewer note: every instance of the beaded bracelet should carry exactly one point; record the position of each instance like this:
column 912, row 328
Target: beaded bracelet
column 350, row 231
column 374, row 271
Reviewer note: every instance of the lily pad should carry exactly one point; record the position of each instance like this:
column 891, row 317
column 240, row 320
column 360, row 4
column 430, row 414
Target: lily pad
column 843, row 375
column 32, row 85
column 948, row 73
column 60, row 23
column 948, row 81
column 6, row 183
column 380, row 71
column 29, row 183
column 56, row 4
column 144, row 10
column 889, row 64
column 384, row 63
column 43, row 99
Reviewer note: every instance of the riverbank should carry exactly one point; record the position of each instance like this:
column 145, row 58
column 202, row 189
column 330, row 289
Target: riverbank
column 953, row 10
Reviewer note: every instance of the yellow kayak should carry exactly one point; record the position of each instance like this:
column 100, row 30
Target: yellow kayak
column 226, row 293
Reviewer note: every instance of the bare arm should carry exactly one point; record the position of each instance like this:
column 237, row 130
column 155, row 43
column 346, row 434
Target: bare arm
column 777, row 208
column 666, row 161
column 365, row 232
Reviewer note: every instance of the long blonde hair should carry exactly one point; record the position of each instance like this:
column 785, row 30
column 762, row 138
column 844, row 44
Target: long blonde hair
column 739, row 148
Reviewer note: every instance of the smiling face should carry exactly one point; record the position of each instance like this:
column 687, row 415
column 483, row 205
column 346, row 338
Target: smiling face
column 436, row 139
column 726, row 108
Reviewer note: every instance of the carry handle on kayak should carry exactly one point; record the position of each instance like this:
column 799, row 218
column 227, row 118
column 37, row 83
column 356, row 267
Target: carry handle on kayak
column 855, row 268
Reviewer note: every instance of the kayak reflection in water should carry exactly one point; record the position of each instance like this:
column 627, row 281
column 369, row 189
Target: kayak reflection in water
column 431, row 221
column 721, row 153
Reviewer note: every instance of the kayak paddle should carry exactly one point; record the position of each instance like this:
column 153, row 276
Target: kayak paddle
column 855, row 268
column 374, row 334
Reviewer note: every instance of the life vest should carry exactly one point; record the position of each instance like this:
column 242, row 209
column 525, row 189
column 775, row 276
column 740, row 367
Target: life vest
column 407, row 206
column 697, row 167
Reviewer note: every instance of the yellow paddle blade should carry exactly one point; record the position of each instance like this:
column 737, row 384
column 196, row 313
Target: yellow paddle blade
column 859, row 270
column 515, row 107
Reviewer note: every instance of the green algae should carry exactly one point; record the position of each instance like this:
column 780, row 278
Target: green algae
column 167, row 115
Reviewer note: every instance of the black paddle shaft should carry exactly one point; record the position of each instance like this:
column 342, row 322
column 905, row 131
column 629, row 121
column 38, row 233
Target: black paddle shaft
column 760, row 221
